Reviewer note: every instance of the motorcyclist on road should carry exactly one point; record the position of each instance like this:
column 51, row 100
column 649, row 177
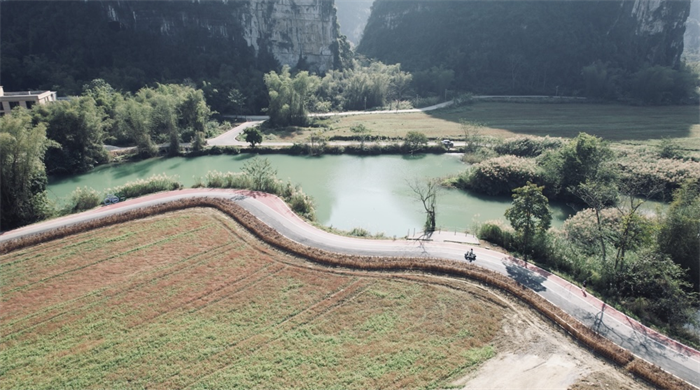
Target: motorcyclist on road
column 470, row 255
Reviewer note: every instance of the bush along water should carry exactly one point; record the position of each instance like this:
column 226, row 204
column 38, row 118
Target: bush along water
column 259, row 175
column 153, row 184
column 85, row 198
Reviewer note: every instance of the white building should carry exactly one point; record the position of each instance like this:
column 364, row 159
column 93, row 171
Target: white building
column 26, row 99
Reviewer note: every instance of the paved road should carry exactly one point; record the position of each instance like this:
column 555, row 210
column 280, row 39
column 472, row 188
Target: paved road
column 674, row 357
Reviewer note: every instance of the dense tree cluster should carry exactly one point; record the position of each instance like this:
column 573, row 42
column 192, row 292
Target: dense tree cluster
column 22, row 174
column 292, row 96
column 167, row 114
column 68, row 137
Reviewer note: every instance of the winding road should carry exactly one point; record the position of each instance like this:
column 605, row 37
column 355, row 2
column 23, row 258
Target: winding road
column 656, row 348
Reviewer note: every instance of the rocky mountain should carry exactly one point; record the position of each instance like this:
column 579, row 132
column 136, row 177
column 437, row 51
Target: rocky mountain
column 352, row 16
column 692, row 33
column 543, row 47
column 62, row 44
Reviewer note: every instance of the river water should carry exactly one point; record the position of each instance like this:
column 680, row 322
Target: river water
column 349, row 191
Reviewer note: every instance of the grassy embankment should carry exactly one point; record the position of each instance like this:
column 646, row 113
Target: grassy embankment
column 191, row 299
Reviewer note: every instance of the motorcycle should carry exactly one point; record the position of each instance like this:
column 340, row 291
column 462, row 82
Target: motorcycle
column 470, row 256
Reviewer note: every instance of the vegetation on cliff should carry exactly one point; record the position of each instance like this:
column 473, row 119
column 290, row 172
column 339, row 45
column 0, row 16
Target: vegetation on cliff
column 597, row 49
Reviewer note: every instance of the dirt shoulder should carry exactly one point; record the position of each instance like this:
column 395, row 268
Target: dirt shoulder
column 533, row 354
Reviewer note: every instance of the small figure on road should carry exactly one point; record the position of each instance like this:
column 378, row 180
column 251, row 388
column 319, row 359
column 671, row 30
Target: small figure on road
column 584, row 286
column 470, row 255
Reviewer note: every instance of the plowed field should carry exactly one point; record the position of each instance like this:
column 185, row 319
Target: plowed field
column 190, row 299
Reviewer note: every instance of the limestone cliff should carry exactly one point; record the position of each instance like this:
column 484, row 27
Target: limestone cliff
column 62, row 45
column 289, row 29
column 691, row 47
column 527, row 46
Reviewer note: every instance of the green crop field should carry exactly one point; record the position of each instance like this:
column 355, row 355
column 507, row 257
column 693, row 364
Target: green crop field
column 190, row 299
column 614, row 122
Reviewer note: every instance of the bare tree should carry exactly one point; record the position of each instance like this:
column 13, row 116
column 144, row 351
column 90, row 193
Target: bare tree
column 317, row 143
column 632, row 229
column 472, row 135
column 362, row 132
column 597, row 195
column 426, row 191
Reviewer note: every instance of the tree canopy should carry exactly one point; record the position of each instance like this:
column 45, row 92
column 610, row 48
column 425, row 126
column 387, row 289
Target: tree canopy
column 22, row 172
column 289, row 96
column 529, row 215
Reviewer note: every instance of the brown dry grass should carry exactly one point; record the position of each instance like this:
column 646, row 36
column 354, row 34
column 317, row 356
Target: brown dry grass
column 587, row 337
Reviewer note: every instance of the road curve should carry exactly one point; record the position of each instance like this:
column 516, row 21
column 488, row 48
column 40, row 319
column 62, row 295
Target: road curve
column 647, row 344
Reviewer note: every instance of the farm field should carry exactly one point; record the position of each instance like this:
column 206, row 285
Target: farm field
column 612, row 122
column 190, row 299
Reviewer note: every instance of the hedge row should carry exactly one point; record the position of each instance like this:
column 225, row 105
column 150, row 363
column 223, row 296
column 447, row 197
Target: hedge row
column 602, row 346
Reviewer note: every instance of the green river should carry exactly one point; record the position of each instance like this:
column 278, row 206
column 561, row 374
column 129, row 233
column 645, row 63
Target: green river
column 349, row 191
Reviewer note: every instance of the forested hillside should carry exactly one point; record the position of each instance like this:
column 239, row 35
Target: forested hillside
column 627, row 50
column 224, row 47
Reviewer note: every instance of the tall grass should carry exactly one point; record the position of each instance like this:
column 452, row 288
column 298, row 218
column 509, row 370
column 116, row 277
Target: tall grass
column 83, row 198
column 294, row 196
column 140, row 187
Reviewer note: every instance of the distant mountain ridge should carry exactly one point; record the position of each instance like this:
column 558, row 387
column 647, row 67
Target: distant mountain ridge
column 540, row 47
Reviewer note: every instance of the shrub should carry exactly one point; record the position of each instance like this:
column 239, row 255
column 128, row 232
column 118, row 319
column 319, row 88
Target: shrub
column 229, row 150
column 528, row 146
column 425, row 101
column 500, row 175
column 481, row 154
column 297, row 200
column 216, row 179
column 582, row 229
column 359, row 232
column 497, row 233
column 646, row 173
column 298, row 149
column 155, row 183
column 83, row 198
column 414, row 142
column 301, row 204
column 669, row 148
